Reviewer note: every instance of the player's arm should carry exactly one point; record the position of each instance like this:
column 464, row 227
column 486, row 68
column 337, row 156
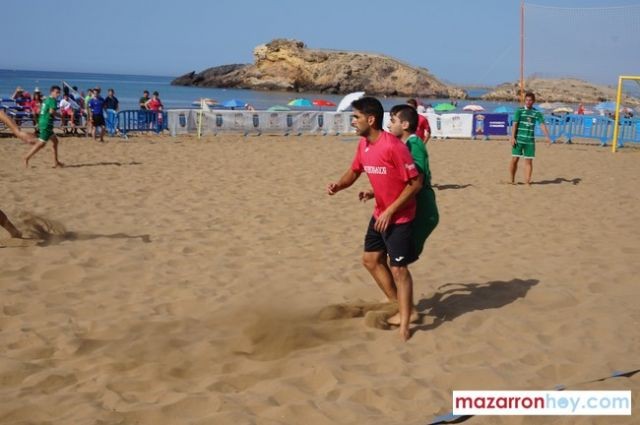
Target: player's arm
column 514, row 131
column 545, row 130
column 347, row 179
column 409, row 191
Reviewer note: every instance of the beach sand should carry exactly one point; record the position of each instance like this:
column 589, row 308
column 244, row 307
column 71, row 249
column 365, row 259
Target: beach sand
column 177, row 281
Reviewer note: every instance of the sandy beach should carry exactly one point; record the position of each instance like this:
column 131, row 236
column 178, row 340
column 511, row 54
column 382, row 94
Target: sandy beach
column 177, row 281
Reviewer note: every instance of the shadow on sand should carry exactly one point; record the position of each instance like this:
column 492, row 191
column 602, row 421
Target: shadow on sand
column 451, row 186
column 455, row 299
column 104, row 163
column 559, row 180
column 48, row 239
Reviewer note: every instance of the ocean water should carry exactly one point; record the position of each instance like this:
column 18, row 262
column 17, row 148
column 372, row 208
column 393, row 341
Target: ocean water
column 129, row 89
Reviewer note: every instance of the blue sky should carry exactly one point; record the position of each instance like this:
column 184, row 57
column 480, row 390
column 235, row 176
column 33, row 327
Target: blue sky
column 460, row 41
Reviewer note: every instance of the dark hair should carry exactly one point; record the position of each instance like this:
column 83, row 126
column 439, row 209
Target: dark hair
column 531, row 95
column 55, row 88
column 412, row 102
column 145, row 92
column 372, row 107
column 111, row 90
column 406, row 113
column 155, row 93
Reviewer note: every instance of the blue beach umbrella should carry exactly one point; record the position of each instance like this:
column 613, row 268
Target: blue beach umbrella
column 605, row 106
column 504, row 110
column 301, row 103
column 234, row 103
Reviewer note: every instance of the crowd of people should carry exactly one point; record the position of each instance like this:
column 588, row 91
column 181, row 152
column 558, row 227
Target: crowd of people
column 75, row 109
column 79, row 109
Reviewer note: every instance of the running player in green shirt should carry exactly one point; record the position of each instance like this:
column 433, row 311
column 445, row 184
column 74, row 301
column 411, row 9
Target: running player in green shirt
column 522, row 138
column 45, row 126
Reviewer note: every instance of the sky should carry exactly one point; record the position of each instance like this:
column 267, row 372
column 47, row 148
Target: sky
column 459, row 41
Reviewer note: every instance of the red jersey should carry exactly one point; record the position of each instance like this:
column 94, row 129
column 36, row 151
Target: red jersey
column 155, row 104
column 423, row 125
column 389, row 166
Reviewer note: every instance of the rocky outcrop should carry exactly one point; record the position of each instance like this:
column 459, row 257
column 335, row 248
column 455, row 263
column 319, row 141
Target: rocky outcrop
column 558, row 90
column 289, row 65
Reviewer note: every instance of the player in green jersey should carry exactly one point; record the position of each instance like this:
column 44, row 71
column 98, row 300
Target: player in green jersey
column 45, row 127
column 523, row 144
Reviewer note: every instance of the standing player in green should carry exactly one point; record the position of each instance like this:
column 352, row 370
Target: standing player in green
column 45, row 126
column 522, row 138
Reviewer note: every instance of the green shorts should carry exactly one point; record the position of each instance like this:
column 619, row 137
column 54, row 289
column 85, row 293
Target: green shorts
column 45, row 134
column 524, row 150
column 427, row 218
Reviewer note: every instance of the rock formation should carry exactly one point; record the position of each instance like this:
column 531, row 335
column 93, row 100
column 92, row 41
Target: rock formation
column 289, row 65
column 558, row 90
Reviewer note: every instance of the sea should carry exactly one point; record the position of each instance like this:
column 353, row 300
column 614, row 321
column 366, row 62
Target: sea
column 129, row 88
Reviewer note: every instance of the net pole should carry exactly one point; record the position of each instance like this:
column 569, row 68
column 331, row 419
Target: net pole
column 614, row 146
column 522, row 51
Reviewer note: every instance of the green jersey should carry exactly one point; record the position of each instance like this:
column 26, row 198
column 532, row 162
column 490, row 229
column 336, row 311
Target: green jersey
column 527, row 119
column 49, row 106
column 420, row 157
column 427, row 215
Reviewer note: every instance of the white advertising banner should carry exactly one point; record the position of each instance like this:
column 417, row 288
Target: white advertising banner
column 185, row 121
column 459, row 126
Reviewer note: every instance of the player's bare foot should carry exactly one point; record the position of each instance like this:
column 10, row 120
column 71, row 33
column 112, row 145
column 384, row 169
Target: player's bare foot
column 26, row 162
column 405, row 334
column 395, row 319
column 58, row 165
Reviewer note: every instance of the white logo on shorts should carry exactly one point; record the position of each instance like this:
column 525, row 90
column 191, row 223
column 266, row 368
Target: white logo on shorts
column 399, row 259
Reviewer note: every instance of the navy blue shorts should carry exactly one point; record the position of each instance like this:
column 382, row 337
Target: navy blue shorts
column 397, row 242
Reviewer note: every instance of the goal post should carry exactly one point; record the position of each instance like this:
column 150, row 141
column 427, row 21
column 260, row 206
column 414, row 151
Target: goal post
column 616, row 123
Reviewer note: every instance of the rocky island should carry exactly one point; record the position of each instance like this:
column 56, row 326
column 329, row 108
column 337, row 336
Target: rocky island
column 558, row 90
column 288, row 65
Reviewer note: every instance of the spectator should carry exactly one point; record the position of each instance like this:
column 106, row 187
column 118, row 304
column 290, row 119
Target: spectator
column 423, row 130
column 35, row 105
column 580, row 109
column 67, row 112
column 96, row 106
column 111, row 102
column 144, row 99
column 87, row 110
column 155, row 105
column 20, row 96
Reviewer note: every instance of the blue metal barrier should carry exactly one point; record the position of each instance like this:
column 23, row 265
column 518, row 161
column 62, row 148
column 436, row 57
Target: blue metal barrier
column 629, row 131
column 141, row 120
column 589, row 127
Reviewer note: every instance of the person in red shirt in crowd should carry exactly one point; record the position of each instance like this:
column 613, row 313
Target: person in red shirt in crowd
column 424, row 130
column 580, row 109
column 34, row 105
column 155, row 104
column 388, row 245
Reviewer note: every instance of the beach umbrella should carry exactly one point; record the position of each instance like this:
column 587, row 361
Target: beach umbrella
column 323, row 102
column 278, row 108
column 563, row 110
column 234, row 103
column 473, row 108
column 605, row 106
column 300, row 103
column 204, row 103
column 504, row 110
column 444, row 107
column 345, row 103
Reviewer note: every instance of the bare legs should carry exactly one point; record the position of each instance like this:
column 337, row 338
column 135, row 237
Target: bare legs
column 397, row 284
column 4, row 222
column 528, row 169
column 32, row 140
